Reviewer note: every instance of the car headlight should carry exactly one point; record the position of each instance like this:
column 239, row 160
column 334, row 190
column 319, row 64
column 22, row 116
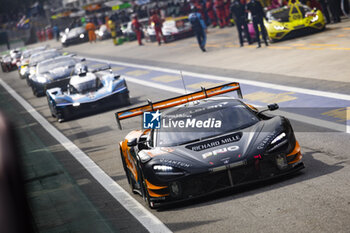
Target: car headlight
column 63, row 39
column 81, row 36
column 277, row 142
column 314, row 19
column 100, row 33
column 162, row 168
column 279, row 27
column 41, row 79
column 167, row 170
column 24, row 69
column 278, row 138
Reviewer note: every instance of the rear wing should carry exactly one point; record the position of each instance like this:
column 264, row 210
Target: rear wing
column 168, row 103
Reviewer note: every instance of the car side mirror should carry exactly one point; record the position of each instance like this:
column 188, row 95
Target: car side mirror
column 273, row 107
column 132, row 142
column 270, row 107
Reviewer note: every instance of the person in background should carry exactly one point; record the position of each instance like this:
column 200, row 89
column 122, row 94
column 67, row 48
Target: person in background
column 258, row 15
column 324, row 5
column 240, row 17
column 111, row 26
column 274, row 4
column 228, row 16
column 220, row 12
column 90, row 28
column 56, row 32
column 334, row 6
column 211, row 12
column 43, row 34
column 137, row 28
column 156, row 20
column 199, row 27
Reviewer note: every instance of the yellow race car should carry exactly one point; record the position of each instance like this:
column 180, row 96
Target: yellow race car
column 293, row 20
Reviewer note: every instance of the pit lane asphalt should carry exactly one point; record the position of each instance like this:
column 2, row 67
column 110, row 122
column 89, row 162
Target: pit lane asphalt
column 316, row 200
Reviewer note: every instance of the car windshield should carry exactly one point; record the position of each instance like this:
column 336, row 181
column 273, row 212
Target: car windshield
column 36, row 58
column 232, row 115
column 282, row 14
column 75, row 32
column 85, row 87
column 28, row 53
column 64, row 62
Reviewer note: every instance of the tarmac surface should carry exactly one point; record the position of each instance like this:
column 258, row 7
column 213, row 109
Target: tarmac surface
column 315, row 200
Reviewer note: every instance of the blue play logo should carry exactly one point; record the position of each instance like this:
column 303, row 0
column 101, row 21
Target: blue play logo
column 151, row 120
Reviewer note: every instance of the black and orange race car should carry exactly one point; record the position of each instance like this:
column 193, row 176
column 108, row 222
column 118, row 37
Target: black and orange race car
column 202, row 145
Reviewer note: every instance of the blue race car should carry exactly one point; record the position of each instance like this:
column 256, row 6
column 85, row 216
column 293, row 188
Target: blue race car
column 87, row 92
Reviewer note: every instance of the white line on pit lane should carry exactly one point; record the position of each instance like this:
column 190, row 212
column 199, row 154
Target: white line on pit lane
column 228, row 79
column 146, row 218
column 297, row 117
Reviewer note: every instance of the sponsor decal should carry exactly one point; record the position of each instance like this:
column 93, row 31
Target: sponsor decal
column 191, row 123
column 220, row 151
column 151, row 120
column 175, row 163
column 215, row 142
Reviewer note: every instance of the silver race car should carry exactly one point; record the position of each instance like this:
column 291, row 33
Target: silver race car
column 87, row 92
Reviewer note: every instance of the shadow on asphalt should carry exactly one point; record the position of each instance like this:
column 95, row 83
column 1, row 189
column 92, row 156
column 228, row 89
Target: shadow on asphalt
column 188, row 225
column 313, row 168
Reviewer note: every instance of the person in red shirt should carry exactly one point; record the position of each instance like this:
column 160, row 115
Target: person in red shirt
column 136, row 26
column 157, row 26
column 211, row 13
column 220, row 12
column 90, row 28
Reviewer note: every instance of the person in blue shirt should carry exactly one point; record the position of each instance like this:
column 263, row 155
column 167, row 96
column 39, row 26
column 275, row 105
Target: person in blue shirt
column 199, row 27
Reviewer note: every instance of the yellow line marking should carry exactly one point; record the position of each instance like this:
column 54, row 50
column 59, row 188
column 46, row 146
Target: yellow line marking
column 297, row 44
column 231, row 46
column 343, row 114
column 340, row 48
column 166, row 78
column 346, row 28
column 213, row 45
column 341, row 35
column 203, row 84
column 279, row 47
column 308, row 48
column 95, row 65
column 251, row 46
column 325, row 45
column 117, row 68
column 137, row 72
column 267, row 97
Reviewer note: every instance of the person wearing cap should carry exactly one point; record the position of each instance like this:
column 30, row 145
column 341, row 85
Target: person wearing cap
column 137, row 28
column 198, row 27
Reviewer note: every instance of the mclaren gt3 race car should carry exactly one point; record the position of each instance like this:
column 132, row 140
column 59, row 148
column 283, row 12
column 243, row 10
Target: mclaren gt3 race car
column 205, row 145
column 293, row 20
column 87, row 92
